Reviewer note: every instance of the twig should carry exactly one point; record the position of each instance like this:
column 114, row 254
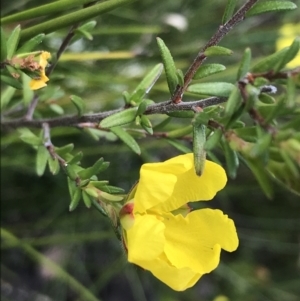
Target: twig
column 159, row 108
column 214, row 40
column 50, row 147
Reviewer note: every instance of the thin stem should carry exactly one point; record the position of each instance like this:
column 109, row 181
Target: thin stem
column 214, row 40
column 159, row 108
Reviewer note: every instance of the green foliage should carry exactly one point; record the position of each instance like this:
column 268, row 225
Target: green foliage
column 240, row 111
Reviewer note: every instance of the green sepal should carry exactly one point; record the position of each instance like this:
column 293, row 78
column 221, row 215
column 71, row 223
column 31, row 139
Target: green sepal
column 169, row 65
column 119, row 118
column 268, row 6
column 180, row 132
column 229, row 9
column 29, row 45
column 213, row 89
column 217, row 51
column 127, row 139
column 54, row 166
column 13, row 41
column 92, row 192
column 244, row 64
column 109, row 197
column 232, row 160
column 41, row 159
column 291, row 52
column 199, row 139
column 86, row 199
column 146, row 84
column 208, row 69
column 84, row 183
column 75, row 199
column 112, row 189
column 3, row 47
column 79, row 104
column 213, row 140
column 181, row 114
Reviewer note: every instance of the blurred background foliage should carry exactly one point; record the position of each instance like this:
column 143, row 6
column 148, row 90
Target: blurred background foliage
column 81, row 245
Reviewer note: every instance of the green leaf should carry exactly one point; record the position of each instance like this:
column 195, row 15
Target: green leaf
column 208, row 69
column 71, row 18
column 244, row 64
column 41, row 160
column 267, row 6
column 160, row 126
column 79, row 104
column 178, row 145
column 146, row 84
column 83, row 33
column 43, row 10
column 292, row 51
column 233, row 102
column 141, row 108
column 119, row 118
column 217, row 51
column 199, row 139
column 76, row 159
column 127, row 139
column 213, row 89
column 112, row 189
column 86, row 199
column 11, row 81
column 99, row 184
column 64, row 149
column 70, row 171
column 6, row 96
column 181, row 114
column 213, row 140
column 229, row 9
column 53, row 165
column 31, row 44
column 13, row 41
column 75, row 199
column 29, row 137
column 91, row 171
column 3, row 46
column 268, row 63
column 56, row 108
column 180, row 77
column 169, row 65
column 232, row 160
column 27, row 92
column 260, row 173
column 266, row 98
column 180, row 132
column 146, row 124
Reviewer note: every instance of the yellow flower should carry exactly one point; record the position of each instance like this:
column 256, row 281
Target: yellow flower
column 177, row 248
column 287, row 33
column 40, row 82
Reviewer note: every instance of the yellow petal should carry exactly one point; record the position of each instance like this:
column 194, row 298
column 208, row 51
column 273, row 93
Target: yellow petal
column 43, row 59
column 189, row 187
column 195, row 242
column 177, row 279
column 36, row 84
column 145, row 239
column 169, row 185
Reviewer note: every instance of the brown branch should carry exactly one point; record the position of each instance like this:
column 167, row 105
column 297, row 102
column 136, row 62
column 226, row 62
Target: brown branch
column 159, row 108
column 214, row 40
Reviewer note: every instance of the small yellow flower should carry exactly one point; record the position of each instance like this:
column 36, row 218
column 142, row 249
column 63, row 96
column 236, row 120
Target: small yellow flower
column 287, row 33
column 40, row 82
column 177, row 248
